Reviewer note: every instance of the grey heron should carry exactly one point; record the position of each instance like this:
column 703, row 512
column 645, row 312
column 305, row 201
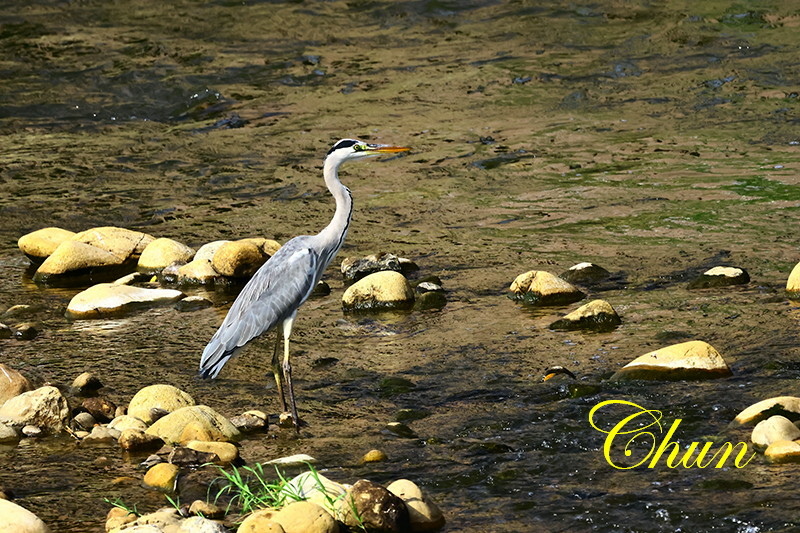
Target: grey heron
column 272, row 296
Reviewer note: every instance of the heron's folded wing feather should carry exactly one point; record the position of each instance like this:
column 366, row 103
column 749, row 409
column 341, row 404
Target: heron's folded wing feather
column 279, row 287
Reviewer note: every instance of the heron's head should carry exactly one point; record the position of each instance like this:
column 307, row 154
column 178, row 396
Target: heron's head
column 352, row 149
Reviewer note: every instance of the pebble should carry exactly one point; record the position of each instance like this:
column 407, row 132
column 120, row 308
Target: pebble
column 401, row 430
column 83, row 421
column 685, row 361
column 32, row 431
column 374, row 456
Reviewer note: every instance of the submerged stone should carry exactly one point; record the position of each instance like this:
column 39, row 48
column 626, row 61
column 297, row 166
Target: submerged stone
column 538, row 287
column 720, row 277
column 685, row 361
column 597, row 315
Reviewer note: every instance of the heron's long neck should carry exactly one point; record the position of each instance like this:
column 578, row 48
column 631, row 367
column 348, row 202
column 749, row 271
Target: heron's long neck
column 333, row 234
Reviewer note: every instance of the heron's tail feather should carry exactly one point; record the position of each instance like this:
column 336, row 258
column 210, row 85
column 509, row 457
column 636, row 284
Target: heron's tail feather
column 214, row 358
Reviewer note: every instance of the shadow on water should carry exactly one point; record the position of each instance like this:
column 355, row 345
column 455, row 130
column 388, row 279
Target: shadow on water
column 653, row 140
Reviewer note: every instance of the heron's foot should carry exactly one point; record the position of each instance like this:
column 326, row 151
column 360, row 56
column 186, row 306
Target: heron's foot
column 286, row 420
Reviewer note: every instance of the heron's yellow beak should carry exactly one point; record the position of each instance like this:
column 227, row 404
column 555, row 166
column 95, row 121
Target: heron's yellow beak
column 389, row 149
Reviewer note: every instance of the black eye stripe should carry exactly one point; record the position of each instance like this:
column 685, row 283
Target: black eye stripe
column 345, row 143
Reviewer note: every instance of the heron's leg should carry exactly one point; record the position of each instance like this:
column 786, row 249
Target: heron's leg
column 287, row 369
column 276, row 367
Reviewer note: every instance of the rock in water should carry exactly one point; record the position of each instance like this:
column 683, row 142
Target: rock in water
column 685, row 361
column 159, row 396
column 783, row 451
column 773, row 429
column 74, row 262
column 720, row 277
column 238, row 259
column 585, row 274
column 597, row 315
column 537, row 287
column 376, row 507
column 44, row 407
column 793, row 283
column 108, row 299
column 382, row 290
column 788, row 406
column 197, row 272
column 12, row 383
column 215, row 426
column 17, row 519
column 124, row 243
column 306, row 517
column 40, row 244
column 354, row 269
column 424, row 515
column 161, row 253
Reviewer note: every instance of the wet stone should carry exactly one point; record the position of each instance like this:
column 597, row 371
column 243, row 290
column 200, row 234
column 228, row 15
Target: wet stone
column 393, row 386
column 400, row 430
column 136, row 440
column 379, row 291
column 86, row 384
column 5, row 332
column 430, row 300
column 541, row 288
column 249, row 422
column 585, row 274
column 193, row 303
column 98, row 435
column 685, row 361
column 354, row 269
column 409, row 415
column 376, row 508
column 597, row 315
column 102, row 409
column 26, row 332
column 183, row 456
column 720, row 277
column 83, row 421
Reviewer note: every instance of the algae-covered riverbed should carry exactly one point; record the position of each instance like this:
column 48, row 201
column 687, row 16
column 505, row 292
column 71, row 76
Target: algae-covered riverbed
column 654, row 139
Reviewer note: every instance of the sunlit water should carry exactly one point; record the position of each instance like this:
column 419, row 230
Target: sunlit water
column 655, row 141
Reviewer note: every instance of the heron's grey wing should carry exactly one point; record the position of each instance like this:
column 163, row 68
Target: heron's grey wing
column 279, row 287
